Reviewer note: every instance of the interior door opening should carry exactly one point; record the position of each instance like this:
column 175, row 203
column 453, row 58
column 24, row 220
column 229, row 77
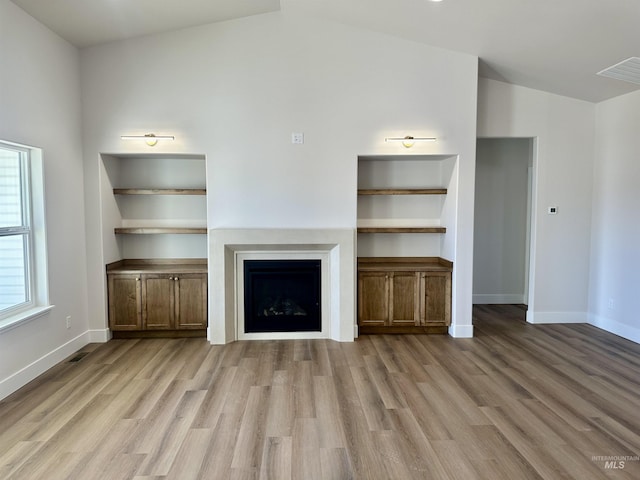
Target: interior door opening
column 502, row 220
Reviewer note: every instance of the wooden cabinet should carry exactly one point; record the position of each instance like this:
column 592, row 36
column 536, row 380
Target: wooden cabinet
column 158, row 301
column 388, row 298
column 191, row 301
column 165, row 298
column 404, row 295
column 435, row 298
column 125, row 302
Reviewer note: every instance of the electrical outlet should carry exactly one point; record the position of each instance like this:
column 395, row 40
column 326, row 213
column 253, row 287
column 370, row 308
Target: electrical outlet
column 611, row 304
column 297, row 138
column 68, row 321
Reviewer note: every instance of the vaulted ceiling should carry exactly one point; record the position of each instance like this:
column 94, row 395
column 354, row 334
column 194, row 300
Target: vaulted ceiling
column 552, row 45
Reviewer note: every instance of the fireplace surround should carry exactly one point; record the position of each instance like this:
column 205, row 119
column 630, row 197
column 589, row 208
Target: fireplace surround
column 334, row 248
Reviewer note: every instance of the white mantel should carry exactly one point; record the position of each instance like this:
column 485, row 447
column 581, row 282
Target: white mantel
column 335, row 246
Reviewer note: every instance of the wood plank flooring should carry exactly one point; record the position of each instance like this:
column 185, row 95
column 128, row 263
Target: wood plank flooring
column 518, row 401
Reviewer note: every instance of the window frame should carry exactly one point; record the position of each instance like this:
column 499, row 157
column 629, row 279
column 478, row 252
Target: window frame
column 34, row 238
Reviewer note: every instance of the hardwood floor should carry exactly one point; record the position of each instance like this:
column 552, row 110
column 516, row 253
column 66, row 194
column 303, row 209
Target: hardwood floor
column 516, row 402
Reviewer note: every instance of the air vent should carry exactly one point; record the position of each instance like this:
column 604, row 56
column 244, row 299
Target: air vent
column 79, row 356
column 627, row 70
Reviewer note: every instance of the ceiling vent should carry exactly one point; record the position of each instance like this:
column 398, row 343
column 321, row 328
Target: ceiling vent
column 628, row 70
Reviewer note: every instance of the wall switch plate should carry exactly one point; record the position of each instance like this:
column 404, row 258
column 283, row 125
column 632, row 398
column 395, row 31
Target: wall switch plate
column 297, row 138
column 552, row 210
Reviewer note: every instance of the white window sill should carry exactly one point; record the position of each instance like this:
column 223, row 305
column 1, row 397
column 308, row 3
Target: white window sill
column 18, row 319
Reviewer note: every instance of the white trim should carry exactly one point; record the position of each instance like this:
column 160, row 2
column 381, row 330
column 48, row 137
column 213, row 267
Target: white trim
column 532, row 224
column 23, row 317
column 556, row 317
column 325, row 291
column 99, row 336
column 461, row 331
column 498, row 298
column 623, row 330
column 44, row 363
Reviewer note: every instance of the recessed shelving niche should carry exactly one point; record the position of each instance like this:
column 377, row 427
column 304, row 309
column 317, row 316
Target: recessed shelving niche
column 404, row 204
column 154, row 206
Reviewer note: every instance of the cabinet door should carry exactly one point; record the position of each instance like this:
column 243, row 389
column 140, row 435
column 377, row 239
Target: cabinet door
column 373, row 298
column 404, row 299
column 436, row 298
column 191, row 300
column 125, row 302
column 158, row 300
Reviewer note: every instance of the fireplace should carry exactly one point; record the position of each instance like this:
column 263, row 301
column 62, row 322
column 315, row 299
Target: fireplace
column 282, row 296
column 230, row 248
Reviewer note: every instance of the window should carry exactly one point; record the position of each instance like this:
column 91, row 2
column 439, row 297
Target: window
column 22, row 248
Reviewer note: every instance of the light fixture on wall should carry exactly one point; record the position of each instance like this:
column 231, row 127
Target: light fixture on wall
column 408, row 141
column 150, row 138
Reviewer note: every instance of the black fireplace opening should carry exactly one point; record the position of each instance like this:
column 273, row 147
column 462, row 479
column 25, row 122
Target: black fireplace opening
column 282, row 296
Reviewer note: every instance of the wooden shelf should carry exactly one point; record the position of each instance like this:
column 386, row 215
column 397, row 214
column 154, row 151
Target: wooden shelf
column 403, row 264
column 159, row 266
column 402, row 191
column 158, row 230
column 159, row 191
column 402, row 230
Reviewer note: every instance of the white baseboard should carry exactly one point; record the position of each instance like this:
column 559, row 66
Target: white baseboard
column 621, row 329
column 100, row 336
column 498, row 299
column 44, row 363
column 461, row 331
column 556, row 317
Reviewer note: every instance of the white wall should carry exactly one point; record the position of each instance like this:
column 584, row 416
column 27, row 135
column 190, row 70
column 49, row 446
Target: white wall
column 40, row 107
column 236, row 91
column 615, row 238
column 563, row 171
column 499, row 245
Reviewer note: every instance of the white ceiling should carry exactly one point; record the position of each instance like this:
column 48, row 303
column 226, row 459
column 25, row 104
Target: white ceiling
column 552, row 45
column 91, row 22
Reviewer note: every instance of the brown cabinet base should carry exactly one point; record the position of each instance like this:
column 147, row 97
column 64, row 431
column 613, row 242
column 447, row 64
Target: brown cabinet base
column 365, row 330
column 157, row 298
column 119, row 334
column 404, row 295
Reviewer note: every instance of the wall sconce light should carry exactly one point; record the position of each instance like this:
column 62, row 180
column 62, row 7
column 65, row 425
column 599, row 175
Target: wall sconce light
column 408, row 141
column 150, row 138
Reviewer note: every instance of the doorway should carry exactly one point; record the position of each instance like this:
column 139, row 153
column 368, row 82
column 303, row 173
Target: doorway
column 502, row 220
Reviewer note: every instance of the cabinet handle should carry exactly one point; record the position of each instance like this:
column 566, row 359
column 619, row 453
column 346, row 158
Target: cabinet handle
column 170, row 278
column 137, row 279
column 175, row 279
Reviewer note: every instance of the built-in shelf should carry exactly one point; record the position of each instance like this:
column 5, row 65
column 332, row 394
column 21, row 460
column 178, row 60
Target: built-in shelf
column 158, row 230
column 402, row 191
column 402, row 230
column 159, row 191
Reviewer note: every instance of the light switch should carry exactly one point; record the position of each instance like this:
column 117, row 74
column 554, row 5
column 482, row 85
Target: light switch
column 297, row 138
